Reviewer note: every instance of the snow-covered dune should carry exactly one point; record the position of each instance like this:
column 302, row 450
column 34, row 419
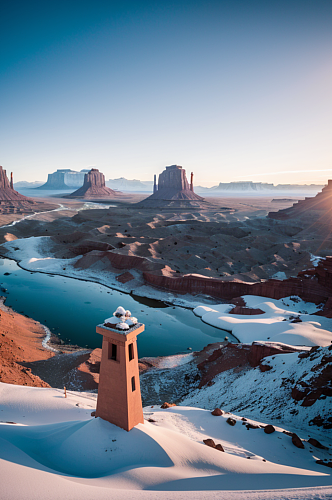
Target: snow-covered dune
column 56, row 450
column 275, row 324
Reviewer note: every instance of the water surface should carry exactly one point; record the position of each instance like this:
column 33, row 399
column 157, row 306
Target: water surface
column 72, row 308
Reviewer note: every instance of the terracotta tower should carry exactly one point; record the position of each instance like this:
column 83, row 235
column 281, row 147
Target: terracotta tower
column 192, row 181
column 119, row 394
column 155, row 184
column 11, row 180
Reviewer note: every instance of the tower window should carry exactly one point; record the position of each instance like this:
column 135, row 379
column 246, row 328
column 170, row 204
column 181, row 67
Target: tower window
column 112, row 351
column 131, row 351
column 133, row 384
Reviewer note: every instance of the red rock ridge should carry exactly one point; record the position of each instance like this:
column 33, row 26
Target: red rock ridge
column 309, row 288
column 237, row 356
column 322, row 202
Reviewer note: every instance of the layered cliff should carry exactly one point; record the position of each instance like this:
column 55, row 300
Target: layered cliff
column 318, row 206
column 64, row 179
column 314, row 285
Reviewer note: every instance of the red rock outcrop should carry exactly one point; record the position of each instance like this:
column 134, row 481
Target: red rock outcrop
column 297, row 441
column 322, row 203
column 312, row 286
column 269, row 429
column 7, row 193
column 245, row 311
column 260, row 350
column 217, row 412
column 94, row 187
column 173, row 191
column 236, row 356
column 320, row 382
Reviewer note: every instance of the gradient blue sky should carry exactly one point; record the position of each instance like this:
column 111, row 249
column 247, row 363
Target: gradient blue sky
column 237, row 90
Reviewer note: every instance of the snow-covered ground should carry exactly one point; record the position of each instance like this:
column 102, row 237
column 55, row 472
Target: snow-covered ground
column 34, row 254
column 276, row 324
column 55, row 449
column 268, row 394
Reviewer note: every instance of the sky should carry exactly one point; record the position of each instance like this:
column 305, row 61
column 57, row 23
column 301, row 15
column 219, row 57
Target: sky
column 231, row 90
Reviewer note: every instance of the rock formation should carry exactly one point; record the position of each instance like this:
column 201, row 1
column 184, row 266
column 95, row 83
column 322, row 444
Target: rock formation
column 12, row 202
column 173, row 191
column 318, row 206
column 64, row 179
column 7, row 193
column 93, row 187
column 312, row 285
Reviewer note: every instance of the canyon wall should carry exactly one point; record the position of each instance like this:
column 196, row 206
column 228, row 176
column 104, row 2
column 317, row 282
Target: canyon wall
column 313, row 286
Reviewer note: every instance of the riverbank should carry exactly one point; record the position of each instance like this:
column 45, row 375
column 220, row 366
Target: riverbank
column 21, row 341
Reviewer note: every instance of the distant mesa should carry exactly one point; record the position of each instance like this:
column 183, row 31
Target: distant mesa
column 173, row 191
column 93, row 187
column 259, row 188
column 319, row 205
column 65, row 179
column 7, row 191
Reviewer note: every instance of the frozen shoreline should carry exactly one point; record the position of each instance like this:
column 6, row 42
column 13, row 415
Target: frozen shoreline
column 32, row 254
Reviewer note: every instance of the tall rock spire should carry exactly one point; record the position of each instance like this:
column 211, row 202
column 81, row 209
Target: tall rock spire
column 7, row 191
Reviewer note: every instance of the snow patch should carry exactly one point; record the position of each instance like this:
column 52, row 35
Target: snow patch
column 278, row 323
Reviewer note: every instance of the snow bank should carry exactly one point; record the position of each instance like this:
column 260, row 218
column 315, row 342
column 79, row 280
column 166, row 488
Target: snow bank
column 276, row 324
column 76, row 456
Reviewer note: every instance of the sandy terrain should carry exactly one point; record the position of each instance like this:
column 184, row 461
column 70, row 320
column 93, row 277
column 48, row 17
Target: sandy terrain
column 20, row 341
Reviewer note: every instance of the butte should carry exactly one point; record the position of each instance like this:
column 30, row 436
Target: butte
column 12, row 202
column 173, row 191
column 94, row 187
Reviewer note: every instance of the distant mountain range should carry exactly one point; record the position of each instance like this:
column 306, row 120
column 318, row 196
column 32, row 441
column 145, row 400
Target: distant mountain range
column 27, row 185
column 137, row 186
column 250, row 187
column 133, row 185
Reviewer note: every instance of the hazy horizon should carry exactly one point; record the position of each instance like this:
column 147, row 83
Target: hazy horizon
column 229, row 90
